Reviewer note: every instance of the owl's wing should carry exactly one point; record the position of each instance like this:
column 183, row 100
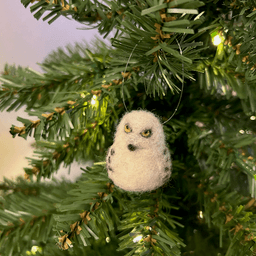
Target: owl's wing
column 168, row 163
column 167, row 155
column 110, row 154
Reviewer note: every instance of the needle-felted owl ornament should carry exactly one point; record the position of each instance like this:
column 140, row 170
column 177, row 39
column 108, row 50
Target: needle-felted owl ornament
column 139, row 159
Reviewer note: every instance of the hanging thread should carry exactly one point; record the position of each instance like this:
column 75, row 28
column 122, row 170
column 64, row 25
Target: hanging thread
column 182, row 87
column 181, row 93
column 126, row 69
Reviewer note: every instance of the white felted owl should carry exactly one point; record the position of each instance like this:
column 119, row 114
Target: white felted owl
column 139, row 159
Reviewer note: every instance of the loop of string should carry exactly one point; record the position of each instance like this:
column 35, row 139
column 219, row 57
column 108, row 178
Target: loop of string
column 182, row 79
column 126, row 69
column 182, row 87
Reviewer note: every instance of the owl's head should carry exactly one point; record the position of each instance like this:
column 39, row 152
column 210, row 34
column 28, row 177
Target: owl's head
column 140, row 129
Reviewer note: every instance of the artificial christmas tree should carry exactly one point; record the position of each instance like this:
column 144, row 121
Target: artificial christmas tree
column 194, row 59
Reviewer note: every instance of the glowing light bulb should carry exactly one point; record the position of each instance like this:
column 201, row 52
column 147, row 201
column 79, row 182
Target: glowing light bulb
column 216, row 40
column 34, row 250
column 137, row 239
column 241, row 131
column 201, row 215
column 93, row 101
column 253, row 117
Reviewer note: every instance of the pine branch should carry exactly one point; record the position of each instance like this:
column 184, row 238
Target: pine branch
column 147, row 228
column 98, row 217
column 69, row 143
column 26, row 214
column 227, row 211
column 156, row 50
column 86, row 12
column 230, row 66
column 89, row 216
column 212, row 136
column 27, row 87
column 157, row 28
column 49, row 161
column 220, row 152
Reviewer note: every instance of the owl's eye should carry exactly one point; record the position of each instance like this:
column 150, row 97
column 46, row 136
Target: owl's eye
column 146, row 133
column 127, row 129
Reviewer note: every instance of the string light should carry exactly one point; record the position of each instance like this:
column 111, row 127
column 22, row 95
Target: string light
column 253, row 117
column 241, row 131
column 201, row 215
column 34, row 250
column 93, row 100
column 218, row 39
column 137, row 239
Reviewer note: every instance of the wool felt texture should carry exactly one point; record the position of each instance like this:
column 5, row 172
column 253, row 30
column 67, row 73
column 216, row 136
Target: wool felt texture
column 139, row 159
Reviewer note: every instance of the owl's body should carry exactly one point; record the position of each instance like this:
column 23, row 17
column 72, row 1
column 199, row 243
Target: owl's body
column 139, row 160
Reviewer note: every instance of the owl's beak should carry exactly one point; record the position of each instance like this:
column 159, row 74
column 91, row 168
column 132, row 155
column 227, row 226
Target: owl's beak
column 131, row 147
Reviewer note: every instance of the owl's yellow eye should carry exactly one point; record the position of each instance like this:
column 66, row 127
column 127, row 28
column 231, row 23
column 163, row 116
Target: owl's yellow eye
column 127, row 129
column 146, row 133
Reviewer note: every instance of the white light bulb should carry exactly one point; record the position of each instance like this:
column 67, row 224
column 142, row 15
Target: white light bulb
column 35, row 249
column 253, row 117
column 137, row 239
column 93, row 101
column 217, row 40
